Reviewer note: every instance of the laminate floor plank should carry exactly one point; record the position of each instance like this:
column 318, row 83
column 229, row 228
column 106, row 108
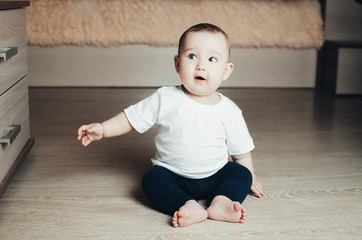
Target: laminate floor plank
column 308, row 157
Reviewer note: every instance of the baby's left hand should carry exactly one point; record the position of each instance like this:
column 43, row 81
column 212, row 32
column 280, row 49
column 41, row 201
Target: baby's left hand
column 257, row 188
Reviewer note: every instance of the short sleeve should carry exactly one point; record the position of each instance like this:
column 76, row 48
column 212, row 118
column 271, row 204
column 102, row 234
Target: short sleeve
column 143, row 115
column 238, row 138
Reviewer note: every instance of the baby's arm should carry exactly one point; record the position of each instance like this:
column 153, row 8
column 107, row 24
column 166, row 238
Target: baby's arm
column 247, row 161
column 116, row 126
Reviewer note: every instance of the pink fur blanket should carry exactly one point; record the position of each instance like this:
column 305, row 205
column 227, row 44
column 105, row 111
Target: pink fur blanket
column 249, row 23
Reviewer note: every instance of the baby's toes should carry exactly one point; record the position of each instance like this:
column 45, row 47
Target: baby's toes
column 243, row 214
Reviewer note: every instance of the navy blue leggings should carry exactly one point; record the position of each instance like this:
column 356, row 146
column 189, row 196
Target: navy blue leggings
column 169, row 191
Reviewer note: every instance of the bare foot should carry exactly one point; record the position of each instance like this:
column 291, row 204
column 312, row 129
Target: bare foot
column 223, row 209
column 189, row 214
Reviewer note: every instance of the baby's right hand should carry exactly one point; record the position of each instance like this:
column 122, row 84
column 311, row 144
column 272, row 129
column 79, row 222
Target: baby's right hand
column 90, row 133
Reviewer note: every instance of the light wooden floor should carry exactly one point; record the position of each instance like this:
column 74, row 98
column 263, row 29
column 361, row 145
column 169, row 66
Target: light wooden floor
column 308, row 157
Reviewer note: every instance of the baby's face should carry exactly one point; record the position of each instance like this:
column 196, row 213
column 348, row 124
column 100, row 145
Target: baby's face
column 203, row 62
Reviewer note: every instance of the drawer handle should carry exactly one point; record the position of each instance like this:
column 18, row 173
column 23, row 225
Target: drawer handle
column 14, row 132
column 7, row 53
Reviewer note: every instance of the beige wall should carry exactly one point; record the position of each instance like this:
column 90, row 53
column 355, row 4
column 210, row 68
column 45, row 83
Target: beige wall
column 139, row 65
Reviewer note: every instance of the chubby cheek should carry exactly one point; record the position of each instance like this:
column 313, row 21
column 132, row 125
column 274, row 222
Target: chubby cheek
column 184, row 77
column 185, row 71
column 217, row 75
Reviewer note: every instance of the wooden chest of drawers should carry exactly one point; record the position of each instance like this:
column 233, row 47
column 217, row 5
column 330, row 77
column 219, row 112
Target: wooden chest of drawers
column 15, row 139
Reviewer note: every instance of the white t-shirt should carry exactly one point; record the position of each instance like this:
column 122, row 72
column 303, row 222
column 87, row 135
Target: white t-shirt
column 193, row 140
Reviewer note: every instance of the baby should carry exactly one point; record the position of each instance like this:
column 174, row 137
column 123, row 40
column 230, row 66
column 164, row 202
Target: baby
column 198, row 128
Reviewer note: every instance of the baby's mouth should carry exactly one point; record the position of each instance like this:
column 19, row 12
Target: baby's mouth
column 199, row 78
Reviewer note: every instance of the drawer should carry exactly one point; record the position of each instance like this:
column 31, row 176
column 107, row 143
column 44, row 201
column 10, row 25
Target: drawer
column 12, row 34
column 14, row 109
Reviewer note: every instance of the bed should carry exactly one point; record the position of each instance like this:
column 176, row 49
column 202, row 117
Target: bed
column 132, row 43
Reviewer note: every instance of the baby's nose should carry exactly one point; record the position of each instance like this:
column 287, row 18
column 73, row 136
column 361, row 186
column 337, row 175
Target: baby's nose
column 200, row 67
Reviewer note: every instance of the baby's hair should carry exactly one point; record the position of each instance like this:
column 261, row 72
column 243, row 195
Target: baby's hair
column 203, row 27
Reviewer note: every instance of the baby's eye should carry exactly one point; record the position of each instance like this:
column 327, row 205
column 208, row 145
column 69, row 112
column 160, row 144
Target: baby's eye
column 212, row 59
column 191, row 56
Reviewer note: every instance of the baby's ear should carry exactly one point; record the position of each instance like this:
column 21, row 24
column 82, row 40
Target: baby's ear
column 228, row 70
column 177, row 65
